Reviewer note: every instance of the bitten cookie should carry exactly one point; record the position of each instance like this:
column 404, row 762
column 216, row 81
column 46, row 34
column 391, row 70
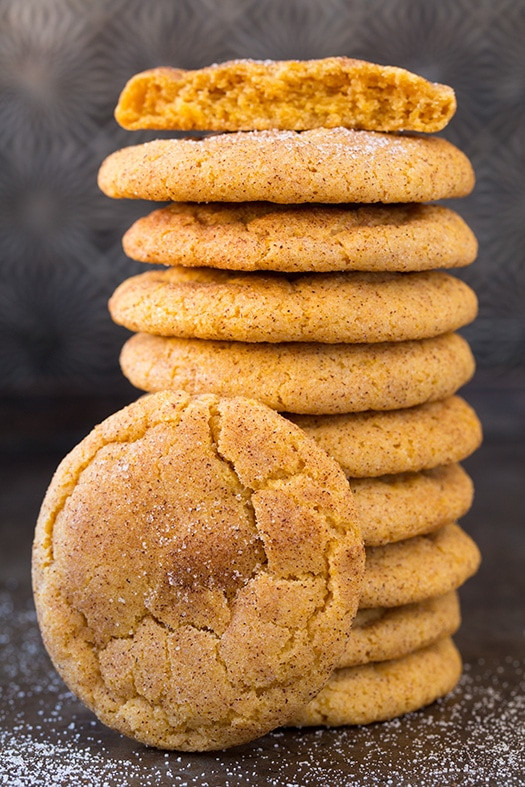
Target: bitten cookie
column 418, row 568
column 400, row 506
column 377, row 692
column 206, row 303
column 302, row 377
column 196, row 568
column 412, row 439
column 253, row 236
column 323, row 165
column 289, row 94
column 381, row 634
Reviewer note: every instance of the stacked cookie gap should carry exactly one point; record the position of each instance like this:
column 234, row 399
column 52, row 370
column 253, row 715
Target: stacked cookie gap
column 306, row 268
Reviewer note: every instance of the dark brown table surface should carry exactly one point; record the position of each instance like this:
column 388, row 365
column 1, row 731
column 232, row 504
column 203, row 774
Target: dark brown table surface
column 476, row 736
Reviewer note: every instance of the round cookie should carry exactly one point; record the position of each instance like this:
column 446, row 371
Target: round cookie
column 383, row 633
column 418, row 568
column 252, row 236
column 377, row 692
column 322, row 165
column 287, row 94
column 393, row 508
column 196, row 568
column 303, row 377
column 417, row 438
column 355, row 307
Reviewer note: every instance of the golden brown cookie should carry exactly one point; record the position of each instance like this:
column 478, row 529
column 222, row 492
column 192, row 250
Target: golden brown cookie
column 383, row 633
column 206, row 303
column 196, row 568
column 400, row 506
column 418, row 438
column 253, row 236
column 303, row 377
column 323, row 165
column 418, row 568
column 260, row 94
column 377, row 692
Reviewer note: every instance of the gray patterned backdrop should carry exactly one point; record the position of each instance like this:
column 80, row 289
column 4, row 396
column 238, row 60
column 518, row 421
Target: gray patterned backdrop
column 62, row 65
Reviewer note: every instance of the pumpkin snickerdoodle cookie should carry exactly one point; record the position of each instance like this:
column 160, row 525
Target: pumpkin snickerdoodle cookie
column 384, row 690
column 289, row 94
column 197, row 565
column 383, row 633
column 302, row 377
column 354, row 307
column 412, row 439
column 418, row 568
column 400, row 506
column 253, row 236
column 323, row 165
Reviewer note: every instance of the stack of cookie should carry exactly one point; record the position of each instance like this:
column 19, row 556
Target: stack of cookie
column 313, row 281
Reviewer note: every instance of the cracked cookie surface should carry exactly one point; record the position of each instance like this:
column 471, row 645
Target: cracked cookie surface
column 354, row 307
column 253, row 236
column 323, row 165
column 197, row 564
column 303, row 377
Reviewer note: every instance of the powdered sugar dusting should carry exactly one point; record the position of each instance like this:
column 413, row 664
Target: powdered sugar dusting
column 473, row 737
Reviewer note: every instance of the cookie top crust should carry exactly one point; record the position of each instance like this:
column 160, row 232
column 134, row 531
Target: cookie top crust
column 303, row 377
column 322, row 165
column 252, row 94
column 253, row 236
column 355, row 307
column 197, row 565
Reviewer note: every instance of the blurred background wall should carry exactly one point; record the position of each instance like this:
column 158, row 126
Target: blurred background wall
column 62, row 65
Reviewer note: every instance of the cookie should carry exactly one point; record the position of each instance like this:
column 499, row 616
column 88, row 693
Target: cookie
column 396, row 507
column 303, row 377
column 418, row 438
column 382, row 633
column 253, row 236
column 377, row 692
column 196, row 567
column 418, row 568
column 261, row 94
column 352, row 307
column 323, row 165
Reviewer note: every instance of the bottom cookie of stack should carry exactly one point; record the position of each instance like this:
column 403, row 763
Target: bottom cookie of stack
column 384, row 690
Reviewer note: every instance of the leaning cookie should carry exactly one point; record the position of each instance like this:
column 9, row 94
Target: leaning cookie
column 381, row 691
column 255, row 236
column 301, row 377
column 417, row 438
column 196, row 568
column 355, row 307
column 397, row 507
column 384, row 633
column 418, row 568
column 323, row 165
column 286, row 94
